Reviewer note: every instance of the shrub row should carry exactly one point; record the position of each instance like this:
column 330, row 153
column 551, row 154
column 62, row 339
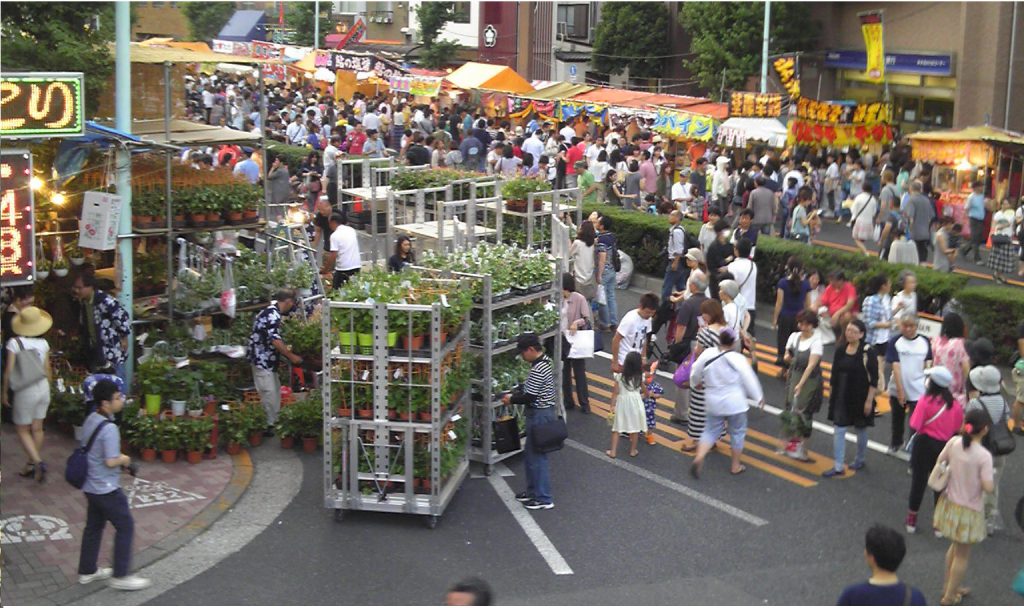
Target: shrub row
column 993, row 311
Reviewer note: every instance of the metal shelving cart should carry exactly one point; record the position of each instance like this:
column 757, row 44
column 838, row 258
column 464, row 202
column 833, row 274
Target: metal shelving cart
column 380, row 453
column 540, row 206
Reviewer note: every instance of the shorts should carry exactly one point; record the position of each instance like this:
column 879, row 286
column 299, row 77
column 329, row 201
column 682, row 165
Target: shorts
column 1018, row 379
column 31, row 403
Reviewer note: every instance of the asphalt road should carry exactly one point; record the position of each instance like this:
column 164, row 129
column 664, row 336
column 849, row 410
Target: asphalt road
column 632, row 531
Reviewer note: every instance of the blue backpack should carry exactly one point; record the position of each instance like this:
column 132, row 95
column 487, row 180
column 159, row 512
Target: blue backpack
column 76, row 469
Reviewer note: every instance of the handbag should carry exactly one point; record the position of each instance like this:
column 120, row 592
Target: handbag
column 28, row 369
column 76, row 469
column 939, row 477
column 876, row 234
column 682, row 375
column 549, row 436
column 506, row 435
column 910, row 442
column 581, row 344
column 1001, row 239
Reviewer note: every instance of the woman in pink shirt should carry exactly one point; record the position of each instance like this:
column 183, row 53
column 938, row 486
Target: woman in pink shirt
column 936, row 419
column 960, row 515
column 949, row 351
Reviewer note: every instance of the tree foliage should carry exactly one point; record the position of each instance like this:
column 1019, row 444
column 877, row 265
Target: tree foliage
column 206, row 19
column 298, row 16
column 60, row 37
column 728, row 36
column 631, row 35
column 432, row 17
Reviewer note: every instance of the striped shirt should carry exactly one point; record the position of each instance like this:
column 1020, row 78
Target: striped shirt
column 540, row 383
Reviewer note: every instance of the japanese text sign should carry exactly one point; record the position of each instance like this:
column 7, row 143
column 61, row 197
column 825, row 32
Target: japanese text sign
column 17, row 218
column 787, row 69
column 834, row 113
column 42, row 104
column 100, row 214
column 755, row 105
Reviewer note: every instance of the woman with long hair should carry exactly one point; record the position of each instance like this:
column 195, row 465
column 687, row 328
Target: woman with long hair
column 854, row 383
column 613, row 194
column 707, row 337
column 959, row 514
column 403, row 256
column 663, row 186
column 936, row 419
column 582, row 259
column 790, row 297
column 949, row 349
column 804, row 350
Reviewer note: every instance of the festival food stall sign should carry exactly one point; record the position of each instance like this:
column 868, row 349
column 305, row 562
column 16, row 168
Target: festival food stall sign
column 568, row 110
column 17, row 218
column 808, row 133
column 836, row 113
column 424, row 86
column 520, row 107
column 684, row 125
column 787, row 67
column 755, row 105
column 275, row 52
column 359, row 62
column 43, row 104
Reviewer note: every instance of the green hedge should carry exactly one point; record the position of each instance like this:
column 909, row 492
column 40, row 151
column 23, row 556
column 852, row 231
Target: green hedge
column 993, row 311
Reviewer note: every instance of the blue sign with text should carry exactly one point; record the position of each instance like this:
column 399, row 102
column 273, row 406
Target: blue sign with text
column 903, row 63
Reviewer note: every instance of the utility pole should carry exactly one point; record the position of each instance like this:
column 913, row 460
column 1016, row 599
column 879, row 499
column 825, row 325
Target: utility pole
column 764, row 46
column 123, row 123
column 316, row 24
column 721, row 91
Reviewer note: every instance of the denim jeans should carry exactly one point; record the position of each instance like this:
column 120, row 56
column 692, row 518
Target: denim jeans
column 674, row 280
column 839, row 446
column 112, row 507
column 715, row 425
column 538, row 477
column 609, row 313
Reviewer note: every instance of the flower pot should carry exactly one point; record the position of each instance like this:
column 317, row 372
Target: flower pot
column 442, row 336
column 233, row 448
column 214, row 219
column 392, row 339
column 305, row 292
column 287, row 443
column 142, row 221
column 346, row 340
column 365, row 343
column 179, row 220
column 235, row 217
column 60, row 272
column 195, row 413
column 345, row 412
column 169, row 456
column 194, row 456
column 255, row 439
column 365, row 414
column 148, row 454
column 42, row 274
column 309, row 444
column 159, row 221
column 178, row 407
column 412, row 342
column 77, row 261
column 210, row 408
column 197, row 219
column 152, row 404
column 423, row 416
column 250, row 215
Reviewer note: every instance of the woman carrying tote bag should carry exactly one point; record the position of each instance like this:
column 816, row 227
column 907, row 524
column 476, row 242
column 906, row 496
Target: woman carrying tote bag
column 28, row 374
column 576, row 318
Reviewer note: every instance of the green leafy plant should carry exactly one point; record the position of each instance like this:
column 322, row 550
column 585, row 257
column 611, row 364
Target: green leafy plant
column 140, row 429
column 520, row 188
column 168, row 434
column 153, row 375
column 195, row 433
column 304, row 336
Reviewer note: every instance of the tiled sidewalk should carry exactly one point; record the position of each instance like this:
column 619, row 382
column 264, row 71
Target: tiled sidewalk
column 41, row 524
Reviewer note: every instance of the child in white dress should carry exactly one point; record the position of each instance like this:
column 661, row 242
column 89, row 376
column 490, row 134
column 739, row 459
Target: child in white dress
column 628, row 398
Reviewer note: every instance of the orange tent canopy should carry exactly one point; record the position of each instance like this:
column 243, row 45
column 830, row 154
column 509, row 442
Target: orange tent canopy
column 488, row 76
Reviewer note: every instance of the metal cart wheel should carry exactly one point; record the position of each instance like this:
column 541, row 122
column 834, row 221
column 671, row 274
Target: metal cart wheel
column 339, row 514
column 432, row 521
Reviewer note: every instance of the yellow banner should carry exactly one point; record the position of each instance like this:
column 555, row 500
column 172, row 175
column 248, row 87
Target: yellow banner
column 871, row 27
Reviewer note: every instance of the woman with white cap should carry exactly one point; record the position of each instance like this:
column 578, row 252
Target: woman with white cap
column 936, row 419
column 987, row 381
column 28, row 374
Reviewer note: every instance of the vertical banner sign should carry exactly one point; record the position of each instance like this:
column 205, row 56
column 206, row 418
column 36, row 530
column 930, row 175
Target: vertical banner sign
column 871, row 27
column 788, row 69
column 17, row 219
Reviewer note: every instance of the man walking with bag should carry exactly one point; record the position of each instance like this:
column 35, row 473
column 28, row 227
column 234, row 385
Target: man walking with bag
column 538, row 395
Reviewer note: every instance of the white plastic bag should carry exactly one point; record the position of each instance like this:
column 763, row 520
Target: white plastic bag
column 625, row 274
column 228, row 299
column 581, row 344
column 602, row 297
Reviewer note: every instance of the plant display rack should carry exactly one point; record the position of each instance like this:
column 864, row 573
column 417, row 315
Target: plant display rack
column 452, row 222
column 495, row 298
column 396, row 427
column 528, row 225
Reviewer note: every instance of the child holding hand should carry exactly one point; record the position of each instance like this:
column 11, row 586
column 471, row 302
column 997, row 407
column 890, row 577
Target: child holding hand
column 628, row 399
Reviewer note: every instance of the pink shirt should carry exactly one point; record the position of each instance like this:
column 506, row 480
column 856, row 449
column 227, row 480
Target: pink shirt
column 650, row 175
column 967, row 469
column 951, row 354
column 942, row 428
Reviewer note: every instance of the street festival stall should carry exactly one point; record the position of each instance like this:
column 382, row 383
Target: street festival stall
column 487, row 86
column 753, row 119
column 991, row 155
column 543, row 101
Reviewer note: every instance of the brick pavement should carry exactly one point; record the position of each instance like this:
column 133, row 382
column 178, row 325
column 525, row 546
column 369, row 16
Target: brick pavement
column 41, row 524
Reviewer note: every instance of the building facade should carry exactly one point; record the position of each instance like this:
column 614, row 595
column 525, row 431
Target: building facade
column 948, row 64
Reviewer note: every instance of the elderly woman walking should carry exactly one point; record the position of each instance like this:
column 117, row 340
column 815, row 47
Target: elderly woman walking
column 728, row 382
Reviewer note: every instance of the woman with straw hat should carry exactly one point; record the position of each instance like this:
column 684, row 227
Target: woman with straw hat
column 28, row 374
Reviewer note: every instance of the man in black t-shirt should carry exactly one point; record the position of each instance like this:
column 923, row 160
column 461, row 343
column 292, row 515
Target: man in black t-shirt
column 417, row 154
column 321, row 224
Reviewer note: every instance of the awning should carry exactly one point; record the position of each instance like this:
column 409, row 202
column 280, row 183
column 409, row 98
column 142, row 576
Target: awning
column 559, row 90
column 243, row 27
column 488, row 76
column 188, row 133
column 198, row 47
column 167, row 54
column 738, row 131
column 979, row 133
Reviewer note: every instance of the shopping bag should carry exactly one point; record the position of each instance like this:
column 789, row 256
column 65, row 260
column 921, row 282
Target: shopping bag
column 876, row 234
column 602, row 297
column 581, row 344
column 939, row 476
column 549, row 436
column 506, row 435
column 228, row 299
column 828, row 336
column 682, row 375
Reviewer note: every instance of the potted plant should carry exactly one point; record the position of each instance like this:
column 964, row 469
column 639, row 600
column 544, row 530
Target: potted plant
column 42, row 268
column 236, row 429
column 421, row 471
column 256, row 423
column 310, row 423
column 236, row 206
column 214, row 197
column 516, row 193
column 74, row 254
column 364, row 401
column 286, row 426
column 168, row 439
column 145, row 435
column 196, row 437
column 305, row 338
column 195, row 202
column 153, row 373
column 301, row 278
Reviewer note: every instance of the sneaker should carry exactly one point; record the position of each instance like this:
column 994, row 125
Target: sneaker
column 99, row 575
column 834, row 473
column 937, row 533
column 534, row 505
column 131, row 582
column 524, row 497
column 679, row 421
column 911, row 522
column 857, row 466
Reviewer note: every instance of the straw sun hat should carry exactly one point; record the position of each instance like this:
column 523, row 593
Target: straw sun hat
column 31, row 322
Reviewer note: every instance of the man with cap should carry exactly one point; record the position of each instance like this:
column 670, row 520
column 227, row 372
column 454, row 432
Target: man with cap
column 538, row 395
column 985, row 387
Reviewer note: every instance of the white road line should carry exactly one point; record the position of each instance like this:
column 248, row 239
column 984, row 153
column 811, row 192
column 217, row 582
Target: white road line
column 881, row 448
column 540, row 540
column 671, row 485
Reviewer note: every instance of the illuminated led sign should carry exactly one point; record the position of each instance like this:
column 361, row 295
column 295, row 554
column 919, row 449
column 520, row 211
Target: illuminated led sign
column 17, row 218
column 42, row 104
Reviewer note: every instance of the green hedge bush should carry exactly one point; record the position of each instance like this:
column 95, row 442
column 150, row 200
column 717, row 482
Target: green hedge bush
column 992, row 311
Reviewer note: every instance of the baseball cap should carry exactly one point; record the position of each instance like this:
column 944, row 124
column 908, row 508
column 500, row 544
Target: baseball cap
column 528, row 341
column 939, row 375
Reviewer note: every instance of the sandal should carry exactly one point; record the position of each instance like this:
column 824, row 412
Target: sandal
column 743, row 469
column 956, row 601
column 634, row 454
column 609, row 454
column 689, row 449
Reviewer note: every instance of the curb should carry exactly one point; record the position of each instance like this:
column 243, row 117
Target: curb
column 241, row 477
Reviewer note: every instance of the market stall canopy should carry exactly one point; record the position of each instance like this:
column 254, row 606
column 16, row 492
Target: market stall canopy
column 188, row 133
column 487, row 76
column 141, row 53
column 738, row 131
column 307, row 63
column 243, row 27
column 558, row 90
column 973, row 145
column 979, row 133
column 199, row 47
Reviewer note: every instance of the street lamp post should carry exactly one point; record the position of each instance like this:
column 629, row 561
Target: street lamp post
column 764, row 46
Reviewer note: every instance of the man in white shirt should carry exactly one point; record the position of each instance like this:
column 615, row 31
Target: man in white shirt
column 534, row 146
column 631, row 333
column 909, row 354
column 207, row 102
column 568, row 132
column 682, row 193
column 593, row 149
column 343, row 255
column 331, row 168
column 296, row 132
column 831, row 186
column 371, row 120
column 744, row 272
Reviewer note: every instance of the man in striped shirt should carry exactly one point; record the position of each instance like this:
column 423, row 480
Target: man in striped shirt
column 538, row 396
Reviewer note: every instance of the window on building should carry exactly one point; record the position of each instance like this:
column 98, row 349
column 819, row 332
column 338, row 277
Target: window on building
column 937, row 112
column 574, row 21
column 461, row 10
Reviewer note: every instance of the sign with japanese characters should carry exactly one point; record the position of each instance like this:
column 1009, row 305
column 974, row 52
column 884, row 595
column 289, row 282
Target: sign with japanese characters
column 842, row 114
column 871, row 27
column 17, row 218
column 809, row 133
column 44, row 104
column 683, row 125
column 788, row 69
column 755, row 105
column 359, row 62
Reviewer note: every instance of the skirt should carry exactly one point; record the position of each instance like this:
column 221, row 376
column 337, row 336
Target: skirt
column 629, row 413
column 958, row 523
column 1002, row 258
column 864, row 229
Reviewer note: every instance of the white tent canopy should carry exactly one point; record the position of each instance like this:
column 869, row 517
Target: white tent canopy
column 738, row 131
